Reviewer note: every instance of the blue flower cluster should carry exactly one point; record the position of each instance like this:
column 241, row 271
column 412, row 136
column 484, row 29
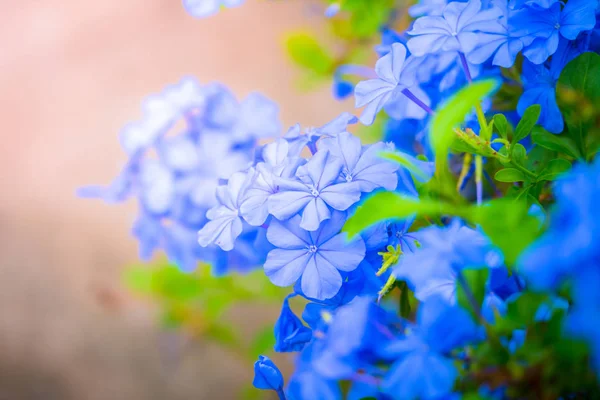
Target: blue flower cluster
column 569, row 253
column 454, row 42
column 217, row 183
column 190, row 139
column 301, row 205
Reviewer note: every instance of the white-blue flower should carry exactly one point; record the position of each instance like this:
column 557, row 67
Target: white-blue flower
column 225, row 223
column 316, row 191
column 206, row 8
column 314, row 257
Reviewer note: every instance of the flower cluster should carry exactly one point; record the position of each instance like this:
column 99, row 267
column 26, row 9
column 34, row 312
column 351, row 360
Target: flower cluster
column 409, row 291
column 302, row 203
column 190, row 139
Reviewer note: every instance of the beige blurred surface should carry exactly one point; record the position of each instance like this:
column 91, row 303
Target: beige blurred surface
column 72, row 72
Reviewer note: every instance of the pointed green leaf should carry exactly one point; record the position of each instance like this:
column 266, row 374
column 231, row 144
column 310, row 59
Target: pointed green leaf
column 559, row 143
column 501, row 125
column 527, row 122
column 452, row 114
column 509, row 175
column 519, row 154
column 579, row 94
column 389, row 205
column 554, row 169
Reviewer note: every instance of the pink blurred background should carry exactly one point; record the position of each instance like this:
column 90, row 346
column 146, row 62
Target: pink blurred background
column 73, row 72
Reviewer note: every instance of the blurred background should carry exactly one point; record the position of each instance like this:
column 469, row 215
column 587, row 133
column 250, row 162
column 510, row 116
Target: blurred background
column 72, row 73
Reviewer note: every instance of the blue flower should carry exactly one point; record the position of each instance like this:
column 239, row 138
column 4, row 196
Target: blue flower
column 267, row 376
column 206, row 8
column 432, row 269
column 297, row 141
column 362, row 165
column 315, row 193
column 395, row 75
column 277, row 164
column 498, row 42
column 422, row 370
column 314, row 257
column 568, row 247
column 160, row 112
column 357, row 333
column 458, row 29
column 540, row 88
column 540, row 28
column 290, row 333
column 225, row 223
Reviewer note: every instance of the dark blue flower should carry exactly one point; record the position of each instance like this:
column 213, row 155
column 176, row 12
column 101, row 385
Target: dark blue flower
column 267, row 376
column 432, row 269
column 422, row 370
column 541, row 28
column 290, row 333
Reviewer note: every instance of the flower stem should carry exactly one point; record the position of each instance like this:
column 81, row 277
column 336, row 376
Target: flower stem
column 478, row 178
column 417, row 101
column 281, row 394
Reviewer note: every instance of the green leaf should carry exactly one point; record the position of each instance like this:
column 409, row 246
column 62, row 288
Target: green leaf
column 501, row 125
column 452, row 114
column 509, row 175
column 559, row 143
column 475, row 280
column 403, row 160
column 579, row 95
column 390, row 205
column 527, row 122
column 554, row 169
column 305, row 50
column 508, row 225
column 519, row 154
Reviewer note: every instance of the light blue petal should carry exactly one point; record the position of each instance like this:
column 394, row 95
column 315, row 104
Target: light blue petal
column 315, row 212
column 344, row 255
column 320, row 280
column 284, row 267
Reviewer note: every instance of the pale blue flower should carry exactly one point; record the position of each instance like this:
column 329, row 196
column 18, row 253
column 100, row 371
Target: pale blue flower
column 316, row 258
column 277, row 164
column 206, row 8
column 458, row 29
column 160, row 112
column 225, row 223
column 315, row 193
column 396, row 79
column 362, row 165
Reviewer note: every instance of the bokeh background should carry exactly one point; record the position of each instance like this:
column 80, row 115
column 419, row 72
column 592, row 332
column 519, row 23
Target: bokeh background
column 72, row 73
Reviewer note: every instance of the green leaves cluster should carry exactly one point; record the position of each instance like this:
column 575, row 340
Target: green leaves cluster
column 198, row 302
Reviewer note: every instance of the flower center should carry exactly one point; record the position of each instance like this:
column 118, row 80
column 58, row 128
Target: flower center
column 312, row 248
column 348, row 176
column 557, row 26
column 314, row 191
